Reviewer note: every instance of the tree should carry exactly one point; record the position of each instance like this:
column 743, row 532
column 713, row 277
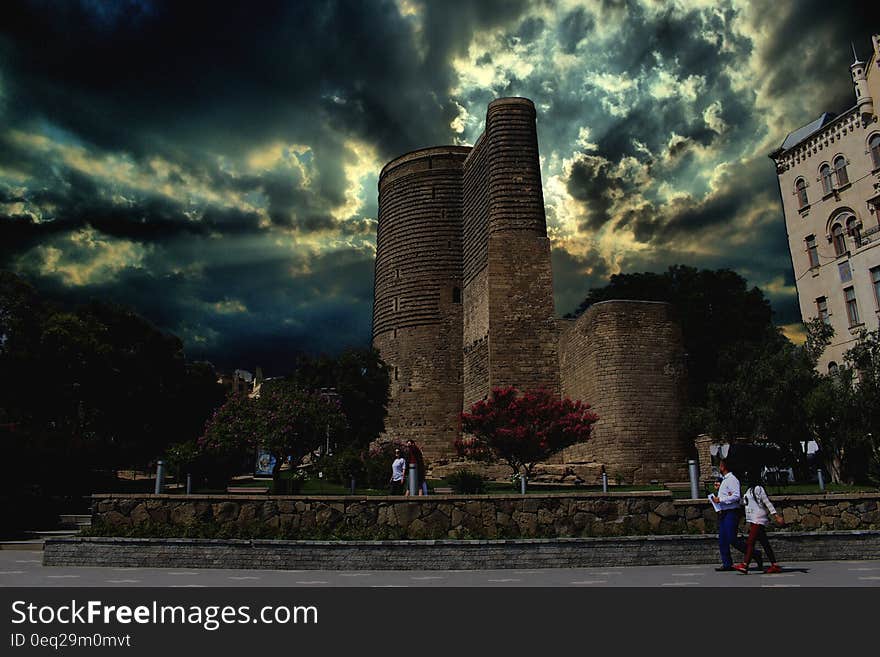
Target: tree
column 286, row 421
column 362, row 381
column 523, row 429
column 716, row 310
column 856, row 409
column 765, row 389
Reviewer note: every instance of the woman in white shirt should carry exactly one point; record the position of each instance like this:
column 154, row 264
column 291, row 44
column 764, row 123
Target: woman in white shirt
column 759, row 508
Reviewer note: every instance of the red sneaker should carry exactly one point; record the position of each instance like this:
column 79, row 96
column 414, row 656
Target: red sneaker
column 774, row 568
column 741, row 567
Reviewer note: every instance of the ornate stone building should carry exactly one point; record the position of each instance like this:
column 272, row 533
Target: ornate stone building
column 464, row 303
column 829, row 180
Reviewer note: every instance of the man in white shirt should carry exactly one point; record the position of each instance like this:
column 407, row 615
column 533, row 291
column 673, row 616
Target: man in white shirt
column 398, row 467
column 728, row 498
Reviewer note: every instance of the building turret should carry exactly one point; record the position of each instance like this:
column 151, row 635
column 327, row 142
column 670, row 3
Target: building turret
column 860, row 81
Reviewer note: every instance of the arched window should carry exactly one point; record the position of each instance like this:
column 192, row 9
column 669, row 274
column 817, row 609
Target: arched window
column 838, row 239
column 840, row 170
column 853, row 229
column 812, row 251
column 800, row 188
column 832, row 368
column 874, row 146
column 825, row 175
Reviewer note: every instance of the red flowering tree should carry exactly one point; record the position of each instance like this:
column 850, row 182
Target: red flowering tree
column 523, row 429
column 284, row 420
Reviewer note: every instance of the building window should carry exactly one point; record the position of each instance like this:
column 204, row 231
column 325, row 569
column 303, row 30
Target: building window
column 838, row 239
column 825, row 175
column 840, row 170
column 456, row 295
column 874, row 145
column 395, row 374
column 812, row 251
column 853, row 229
column 822, row 307
column 800, row 188
column 852, row 306
column 832, row 368
column 875, row 280
column 845, row 271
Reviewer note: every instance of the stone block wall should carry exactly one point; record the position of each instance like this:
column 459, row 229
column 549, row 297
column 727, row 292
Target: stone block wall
column 417, row 310
column 487, row 554
column 626, row 359
column 464, row 303
column 479, row 516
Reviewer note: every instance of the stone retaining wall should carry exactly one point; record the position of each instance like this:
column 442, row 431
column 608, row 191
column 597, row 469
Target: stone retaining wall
column 478, row 516
column 440, row 555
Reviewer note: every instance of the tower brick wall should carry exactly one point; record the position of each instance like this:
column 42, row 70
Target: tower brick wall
column 417, row 311
column 626, row 359
column 464, row 303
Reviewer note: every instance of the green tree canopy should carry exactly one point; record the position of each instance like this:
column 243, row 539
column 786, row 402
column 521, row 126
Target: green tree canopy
column 284, row 420
column 715, row 308
column 98, row 377
column 361, row 380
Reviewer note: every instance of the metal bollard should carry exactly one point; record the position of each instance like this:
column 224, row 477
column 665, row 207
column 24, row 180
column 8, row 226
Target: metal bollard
column 160, row 476
column 352, row 485
column 189, row 483
column 413, row 479
column 522, row 484
column 604, row 482
column 692, row 471
column 821, row 481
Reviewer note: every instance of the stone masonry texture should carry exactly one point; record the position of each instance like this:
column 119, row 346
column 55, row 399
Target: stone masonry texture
column 482, row 516
column 464, row 303
column 440, row 555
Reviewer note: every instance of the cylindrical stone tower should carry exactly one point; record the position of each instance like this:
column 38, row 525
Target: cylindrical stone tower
column 417, row 310
column 510, row 332
column 626, row 359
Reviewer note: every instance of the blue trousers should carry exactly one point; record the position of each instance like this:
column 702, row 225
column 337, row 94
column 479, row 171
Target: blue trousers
column 728, row 524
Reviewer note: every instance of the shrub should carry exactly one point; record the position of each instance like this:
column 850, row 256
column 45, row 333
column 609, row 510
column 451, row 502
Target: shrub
column 342, row 466
column 288, row 483
column 467, row 482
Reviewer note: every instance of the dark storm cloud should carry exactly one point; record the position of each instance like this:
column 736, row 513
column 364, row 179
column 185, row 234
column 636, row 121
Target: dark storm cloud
column 574, row 275
column 210, row 163
column 575, row 27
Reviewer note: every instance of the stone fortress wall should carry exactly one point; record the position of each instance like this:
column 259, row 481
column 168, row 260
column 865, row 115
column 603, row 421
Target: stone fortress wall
column 464, row 303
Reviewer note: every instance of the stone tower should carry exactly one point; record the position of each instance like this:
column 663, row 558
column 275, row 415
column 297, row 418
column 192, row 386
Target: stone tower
column 417, row 318
column 510, row 335
column 464, row 303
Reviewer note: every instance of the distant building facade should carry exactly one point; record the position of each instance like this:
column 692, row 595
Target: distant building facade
column 463, row 303
column 829, row 180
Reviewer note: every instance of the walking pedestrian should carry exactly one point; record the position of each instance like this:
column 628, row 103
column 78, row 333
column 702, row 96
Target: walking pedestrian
column 730, row 502
column 759, row 508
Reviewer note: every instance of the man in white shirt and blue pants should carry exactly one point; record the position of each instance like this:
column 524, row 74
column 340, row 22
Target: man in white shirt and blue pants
column 728, row 498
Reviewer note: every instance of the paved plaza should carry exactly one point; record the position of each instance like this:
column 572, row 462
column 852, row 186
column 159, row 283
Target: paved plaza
column 24, row 568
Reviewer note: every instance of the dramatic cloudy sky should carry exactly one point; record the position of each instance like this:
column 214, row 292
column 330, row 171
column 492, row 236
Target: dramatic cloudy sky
column 215, row 166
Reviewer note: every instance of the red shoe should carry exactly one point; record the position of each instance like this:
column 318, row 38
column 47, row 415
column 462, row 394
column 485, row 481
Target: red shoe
column 774, row 568
column 741, row 567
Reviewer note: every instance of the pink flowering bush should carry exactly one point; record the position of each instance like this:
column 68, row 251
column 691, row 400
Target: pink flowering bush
column 284, row 420
column 523, row 429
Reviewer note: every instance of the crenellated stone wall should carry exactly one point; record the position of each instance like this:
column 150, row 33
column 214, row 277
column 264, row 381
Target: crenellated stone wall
column 479, row 516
